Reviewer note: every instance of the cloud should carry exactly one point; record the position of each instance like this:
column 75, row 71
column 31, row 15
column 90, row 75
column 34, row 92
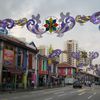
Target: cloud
column 87, row 35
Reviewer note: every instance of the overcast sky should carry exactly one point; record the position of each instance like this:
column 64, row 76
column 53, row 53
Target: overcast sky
column 88, row 35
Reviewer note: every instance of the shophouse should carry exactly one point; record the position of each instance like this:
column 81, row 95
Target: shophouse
column 66, row 72
column 17, row 60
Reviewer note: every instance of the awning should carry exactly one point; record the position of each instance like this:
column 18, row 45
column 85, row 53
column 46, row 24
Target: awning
column 14, row 70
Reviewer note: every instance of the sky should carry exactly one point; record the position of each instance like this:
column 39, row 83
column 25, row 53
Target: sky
column 87, row 36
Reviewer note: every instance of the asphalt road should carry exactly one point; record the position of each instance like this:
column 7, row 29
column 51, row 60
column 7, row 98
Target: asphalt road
column 64, row 93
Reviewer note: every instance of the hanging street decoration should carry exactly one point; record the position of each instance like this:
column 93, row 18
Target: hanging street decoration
column 93, row 55
column 55, row 53
column 76, row 55
column 90, row 57
column 33, row 26
column 82, row 19
column 21, row 22
column 95, row 18
column 51, row 25
column 67, row 23
column 58, row 26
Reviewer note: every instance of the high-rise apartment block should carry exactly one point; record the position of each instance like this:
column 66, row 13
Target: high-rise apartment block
column 72, row 46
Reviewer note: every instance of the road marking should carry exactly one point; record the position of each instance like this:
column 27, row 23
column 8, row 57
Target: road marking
column 81, row 93
column 81, row 90
column 61, row 95
column 94, row 93
column 73, row 91
column 59, row 92
column 48, row 92
column 90, row 96
column 48, row 98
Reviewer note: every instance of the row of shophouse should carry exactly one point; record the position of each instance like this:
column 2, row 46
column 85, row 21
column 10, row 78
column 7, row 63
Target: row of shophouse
column 22, row 63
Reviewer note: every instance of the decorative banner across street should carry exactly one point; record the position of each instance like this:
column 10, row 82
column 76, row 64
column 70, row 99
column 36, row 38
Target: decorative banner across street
column 58, row 26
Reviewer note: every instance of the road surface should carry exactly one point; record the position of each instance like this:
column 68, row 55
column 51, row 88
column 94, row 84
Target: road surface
column 63, row 93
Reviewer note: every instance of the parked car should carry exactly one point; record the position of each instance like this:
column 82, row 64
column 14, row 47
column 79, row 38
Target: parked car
column 77, row 84
column 97, row 83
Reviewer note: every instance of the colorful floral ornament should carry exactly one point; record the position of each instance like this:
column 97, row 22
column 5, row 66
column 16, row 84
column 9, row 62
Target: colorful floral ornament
column 51, row 25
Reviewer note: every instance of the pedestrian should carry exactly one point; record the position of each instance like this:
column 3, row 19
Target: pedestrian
column 32, row 83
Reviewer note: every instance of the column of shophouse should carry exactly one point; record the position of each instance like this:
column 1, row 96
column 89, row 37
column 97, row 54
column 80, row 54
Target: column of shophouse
column 18, row 67
column 1, row 54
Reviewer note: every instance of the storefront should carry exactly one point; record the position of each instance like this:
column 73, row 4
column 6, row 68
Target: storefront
column 42, row 70
column 14, row 62
column 67, row 72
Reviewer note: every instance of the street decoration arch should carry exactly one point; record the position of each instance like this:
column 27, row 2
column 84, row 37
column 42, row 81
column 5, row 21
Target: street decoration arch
column 58, row 26
column 78, row 55
column 91, row 57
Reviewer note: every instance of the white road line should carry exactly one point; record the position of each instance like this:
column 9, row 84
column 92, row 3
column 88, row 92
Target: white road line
column 90, row 96
column 48, row 98
column 59, row 92
column 73, row 91
column 81, row 90
column 81, row 93
column 94, row 93
column 61, row 95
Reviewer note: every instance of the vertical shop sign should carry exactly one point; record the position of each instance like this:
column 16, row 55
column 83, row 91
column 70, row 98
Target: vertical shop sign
column 8, row 58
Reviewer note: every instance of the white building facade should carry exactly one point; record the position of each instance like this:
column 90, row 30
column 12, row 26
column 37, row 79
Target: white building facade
column 72, row 46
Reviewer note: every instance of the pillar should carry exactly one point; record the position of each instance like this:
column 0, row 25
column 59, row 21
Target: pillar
column 36, row 71
column 1, row 61
column 25, row 80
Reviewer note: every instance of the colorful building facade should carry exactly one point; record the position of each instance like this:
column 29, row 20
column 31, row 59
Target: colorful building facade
column 16, row 62
column 67, row 72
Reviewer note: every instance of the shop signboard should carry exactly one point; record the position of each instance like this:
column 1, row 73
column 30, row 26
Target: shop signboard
column 8, row 58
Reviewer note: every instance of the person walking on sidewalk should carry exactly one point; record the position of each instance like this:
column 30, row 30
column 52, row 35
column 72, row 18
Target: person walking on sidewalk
column 32, row 84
